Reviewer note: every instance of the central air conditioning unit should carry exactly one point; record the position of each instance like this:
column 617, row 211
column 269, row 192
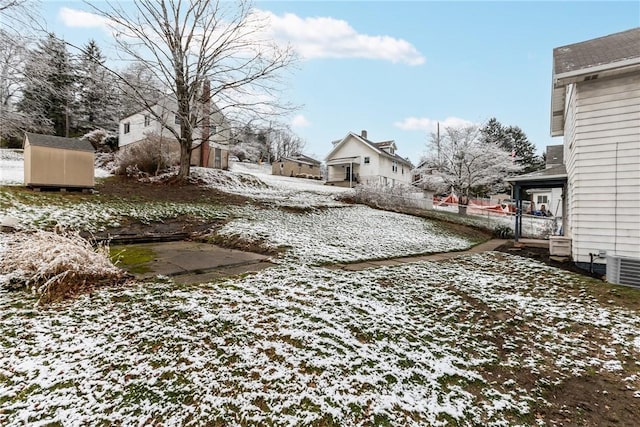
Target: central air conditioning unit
column 623, row 271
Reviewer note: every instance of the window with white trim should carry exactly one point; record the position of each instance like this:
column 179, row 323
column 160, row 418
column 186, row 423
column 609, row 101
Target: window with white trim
column 367, row 160
column 127, row 127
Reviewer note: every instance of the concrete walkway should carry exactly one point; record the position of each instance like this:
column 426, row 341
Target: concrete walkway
column 482, row 247
column 195, row 262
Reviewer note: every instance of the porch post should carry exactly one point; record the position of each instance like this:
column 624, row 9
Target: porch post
column 351, row 174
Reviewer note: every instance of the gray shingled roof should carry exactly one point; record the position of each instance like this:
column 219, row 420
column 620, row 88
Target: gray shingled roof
column 601, row 51
column 51, row 141
column 376, row 145
column 555, row 155
column 554, row 172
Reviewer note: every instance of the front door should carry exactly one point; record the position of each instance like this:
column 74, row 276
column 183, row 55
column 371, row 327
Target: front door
column 348, row 176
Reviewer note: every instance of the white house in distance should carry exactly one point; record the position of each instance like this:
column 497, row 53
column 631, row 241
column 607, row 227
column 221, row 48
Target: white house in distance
column 551, row 198
column 355, row 159
column 211, row 138
column 595, row 106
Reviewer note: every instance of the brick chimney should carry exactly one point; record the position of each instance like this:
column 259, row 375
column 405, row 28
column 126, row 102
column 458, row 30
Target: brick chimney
column 206, row 126
column 364, row 133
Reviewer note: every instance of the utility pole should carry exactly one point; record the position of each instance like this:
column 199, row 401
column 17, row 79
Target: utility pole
column 438, row 139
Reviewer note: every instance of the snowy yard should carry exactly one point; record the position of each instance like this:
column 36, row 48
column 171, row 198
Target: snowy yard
column 486, row 339
column 425, row 343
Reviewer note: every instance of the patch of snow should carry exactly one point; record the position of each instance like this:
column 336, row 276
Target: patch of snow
column 276, row 190
column 11, row 167
column 351, row 233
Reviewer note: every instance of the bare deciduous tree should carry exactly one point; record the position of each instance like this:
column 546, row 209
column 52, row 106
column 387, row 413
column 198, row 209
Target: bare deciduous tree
column 188, row 43
column 16, row 17
column 284, row 142
column 460, row 161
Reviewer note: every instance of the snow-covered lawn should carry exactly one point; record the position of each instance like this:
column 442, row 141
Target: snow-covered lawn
column 257, row 183
column 417, row 344
column 92, row 213
column 11, row 167
column 475, row 340
column 346, row 234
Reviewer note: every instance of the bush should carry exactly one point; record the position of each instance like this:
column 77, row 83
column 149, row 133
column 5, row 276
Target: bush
column 151, row 156
column 55, row 266
column 503, row 232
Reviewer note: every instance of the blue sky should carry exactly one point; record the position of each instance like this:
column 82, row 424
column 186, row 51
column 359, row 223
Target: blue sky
column 396, row 68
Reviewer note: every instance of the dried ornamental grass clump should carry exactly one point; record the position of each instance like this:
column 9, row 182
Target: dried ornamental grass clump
column 55, row 266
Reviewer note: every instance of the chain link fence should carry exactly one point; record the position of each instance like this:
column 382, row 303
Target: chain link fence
column 479, row 213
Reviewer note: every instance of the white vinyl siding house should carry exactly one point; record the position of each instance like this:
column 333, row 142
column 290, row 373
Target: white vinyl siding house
column 138, row 126
column 602, row 146
column 355, row 159
column 596, row 107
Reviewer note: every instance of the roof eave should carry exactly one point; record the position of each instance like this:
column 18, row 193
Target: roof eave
column 536, row 178
column 616, row 67
column 560, row 81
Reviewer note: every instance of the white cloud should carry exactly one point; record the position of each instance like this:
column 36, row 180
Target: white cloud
column 326, row 37
column 314, row 37
column 430, row 125
column 300, row 121
column 81, row 19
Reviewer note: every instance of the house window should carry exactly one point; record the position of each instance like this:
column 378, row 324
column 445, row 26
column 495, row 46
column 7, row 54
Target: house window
column 394, row 166
column 177, row 120
column 147, row 120
column 367, row 160
column 127, row 127
column 542, row 200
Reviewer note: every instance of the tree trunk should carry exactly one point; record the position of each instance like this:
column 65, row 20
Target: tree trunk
column 185, row 161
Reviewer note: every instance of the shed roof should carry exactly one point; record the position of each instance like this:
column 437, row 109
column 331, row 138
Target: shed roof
column 59, row 142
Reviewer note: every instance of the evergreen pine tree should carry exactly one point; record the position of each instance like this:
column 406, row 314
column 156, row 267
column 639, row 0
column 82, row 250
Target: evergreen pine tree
column 97, row 103
column 48, row 90
column 514, row 141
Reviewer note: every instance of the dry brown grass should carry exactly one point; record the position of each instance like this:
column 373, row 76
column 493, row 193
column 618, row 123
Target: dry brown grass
column 55, row 266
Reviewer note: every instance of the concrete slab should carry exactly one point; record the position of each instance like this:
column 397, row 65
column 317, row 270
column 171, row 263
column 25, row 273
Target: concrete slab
column 483, row 247
column 386, row 262
column 197, row 261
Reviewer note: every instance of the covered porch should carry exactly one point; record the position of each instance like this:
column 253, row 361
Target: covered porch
column 343, row 172
column 553, row 177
